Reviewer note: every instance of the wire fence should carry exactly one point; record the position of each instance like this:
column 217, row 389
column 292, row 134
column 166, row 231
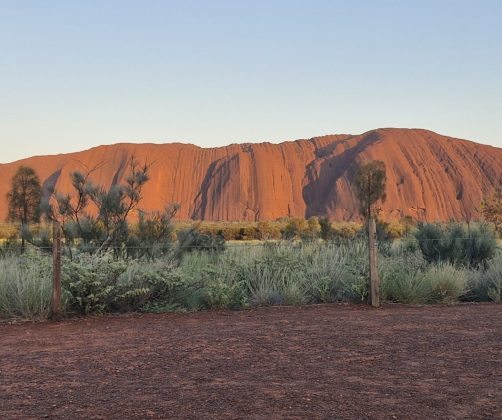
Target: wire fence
column 355, row 246
column 83, row 248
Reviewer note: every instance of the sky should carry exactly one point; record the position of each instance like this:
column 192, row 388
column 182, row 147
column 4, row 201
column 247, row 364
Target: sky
column 77, row 74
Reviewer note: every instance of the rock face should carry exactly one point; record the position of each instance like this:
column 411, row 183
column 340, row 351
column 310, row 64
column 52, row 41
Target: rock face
column 430, row 177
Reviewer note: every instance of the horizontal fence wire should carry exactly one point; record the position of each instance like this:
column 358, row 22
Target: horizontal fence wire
column 235, row 244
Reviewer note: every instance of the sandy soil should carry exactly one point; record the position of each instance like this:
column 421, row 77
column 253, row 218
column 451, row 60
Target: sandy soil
column 328, row 361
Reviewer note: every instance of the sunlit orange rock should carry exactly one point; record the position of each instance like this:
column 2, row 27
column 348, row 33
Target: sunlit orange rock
column 430, row 177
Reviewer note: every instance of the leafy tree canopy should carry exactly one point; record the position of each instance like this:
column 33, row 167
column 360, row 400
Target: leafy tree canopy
column 24, row 196
column 370, row 182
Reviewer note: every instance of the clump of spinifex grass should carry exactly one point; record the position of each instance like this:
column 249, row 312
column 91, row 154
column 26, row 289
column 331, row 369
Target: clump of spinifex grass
column 493, row 279
column 25, row 287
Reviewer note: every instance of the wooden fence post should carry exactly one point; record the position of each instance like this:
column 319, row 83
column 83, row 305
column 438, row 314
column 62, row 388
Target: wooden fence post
column 373, row 251
column 56, row 271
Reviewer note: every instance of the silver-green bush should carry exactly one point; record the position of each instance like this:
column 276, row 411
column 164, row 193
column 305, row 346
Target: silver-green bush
column 25, row 287
column 403, row 279
column 493, row 277
column 325, row 274
column 446, row 283
column 240, row 277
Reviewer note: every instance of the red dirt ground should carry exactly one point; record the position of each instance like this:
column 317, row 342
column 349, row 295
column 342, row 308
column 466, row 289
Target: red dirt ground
column 328, row 361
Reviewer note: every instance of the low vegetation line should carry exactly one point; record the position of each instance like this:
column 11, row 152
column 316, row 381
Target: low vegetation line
column 412, row 270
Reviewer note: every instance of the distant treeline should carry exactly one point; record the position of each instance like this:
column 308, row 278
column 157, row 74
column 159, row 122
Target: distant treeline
column 284, row 228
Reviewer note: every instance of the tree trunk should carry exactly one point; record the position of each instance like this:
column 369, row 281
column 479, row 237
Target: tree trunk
column 373, row 251
column 56, row 272
column 23, row 242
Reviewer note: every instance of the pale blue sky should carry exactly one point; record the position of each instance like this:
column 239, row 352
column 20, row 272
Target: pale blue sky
column 75, row 74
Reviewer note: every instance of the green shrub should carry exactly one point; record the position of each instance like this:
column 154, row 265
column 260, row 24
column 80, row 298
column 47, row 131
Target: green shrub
column 404, row 246
column 477, row 285
column 267, row 231
column 356, row 253
column 481, row 244
column 25, row 287
column 403, row 279
column 142, row 284
column 193, row 269
column 313, row 230
column 273, row 278
column 391, row 230
column 326, row 229
column 220, row 284
column 294, row 229
column 96, row 285
column 455, row 244
column 8, row 230
column 493, row 277
column 446, row 283
column 91, row 283
column 346, row 230
column 152, row 236
column 324, row 273
column 194, row 240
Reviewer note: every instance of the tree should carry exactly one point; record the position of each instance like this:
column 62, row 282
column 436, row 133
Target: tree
column 116, row 204
column 24, row 199
column 71, row 209
column 98, row 217
column 370, row 183
column 153, row 233
column 491, row 209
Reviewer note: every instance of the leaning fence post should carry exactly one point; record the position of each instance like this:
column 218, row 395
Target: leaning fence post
column 373, row 251
column 56, row 271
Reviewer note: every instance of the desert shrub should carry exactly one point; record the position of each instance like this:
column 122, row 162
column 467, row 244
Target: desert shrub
column 356, row 253
column 10, row 247
column 140, row 285
column 230, row 233
column 326, row 229
column 193, row 269
column 313, row 230
column 406, row 245
column 382, row 231
column 294, row 228
column 152, row 236
column 247, row 233
column 271, row 284
column 220, row 293
column 481, row 244
column 276, row 273
column 25, row 287
column 446, row 283
column 273, row 278
column 403, row 279
column 455, row 244
column 96, row 285
column 325, row 275
column 392, row 230
column 8, row 230
column 267, row 231
column 346, row 230
column 38, row 235
column 477, row 286
column 214, row 284
column 194, row 240
column 91, row 283
column 493, row 279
